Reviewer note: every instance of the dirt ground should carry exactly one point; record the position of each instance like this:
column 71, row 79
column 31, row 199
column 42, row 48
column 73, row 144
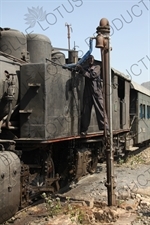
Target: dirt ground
column 86, row 202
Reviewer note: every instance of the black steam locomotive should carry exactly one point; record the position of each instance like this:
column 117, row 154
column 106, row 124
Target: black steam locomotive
column 40, row 110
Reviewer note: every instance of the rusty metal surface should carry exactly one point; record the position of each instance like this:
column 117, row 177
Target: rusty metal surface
column 89, row 135
column 8, row 86
column 103, row 30
column 9, row 185
column 14, row 40
column 39, row 47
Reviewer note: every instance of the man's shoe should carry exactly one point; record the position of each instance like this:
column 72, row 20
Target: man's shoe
column 83, row 133
column 107, row 132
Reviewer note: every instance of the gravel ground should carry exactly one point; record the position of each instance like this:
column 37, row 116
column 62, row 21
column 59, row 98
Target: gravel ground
column 88, row 198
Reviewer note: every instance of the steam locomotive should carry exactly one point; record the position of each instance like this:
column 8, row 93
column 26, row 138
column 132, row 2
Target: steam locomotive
column 41, row 148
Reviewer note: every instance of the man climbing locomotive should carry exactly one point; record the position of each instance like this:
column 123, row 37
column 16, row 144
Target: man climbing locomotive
column 92, row 96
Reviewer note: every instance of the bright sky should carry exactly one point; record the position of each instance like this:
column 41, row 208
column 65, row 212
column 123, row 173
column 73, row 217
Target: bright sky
column 129, row 20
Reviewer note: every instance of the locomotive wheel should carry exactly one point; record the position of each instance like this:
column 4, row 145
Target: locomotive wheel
column 46, row 169
column 50, row 169
column 93, row 165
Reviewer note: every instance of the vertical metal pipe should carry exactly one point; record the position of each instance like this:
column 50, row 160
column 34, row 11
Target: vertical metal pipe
column 104, row 86
column 104, row 31
column 107, row 103
column 112, row 200
column 107, row 83
column 68, row 29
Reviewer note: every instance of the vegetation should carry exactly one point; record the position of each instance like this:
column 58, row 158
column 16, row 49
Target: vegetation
column 55, row 207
